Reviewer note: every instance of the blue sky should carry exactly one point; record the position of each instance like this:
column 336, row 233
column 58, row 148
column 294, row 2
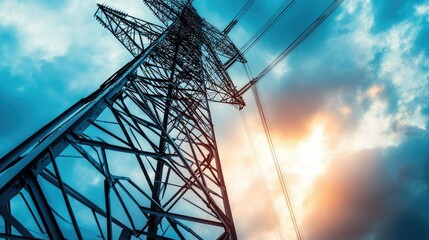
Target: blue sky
column 355, row 94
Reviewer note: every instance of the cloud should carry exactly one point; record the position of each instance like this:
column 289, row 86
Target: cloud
column 373, row 194
column 324, row 74
column 376, row 189
column 388, row 13
column 52, row 55
column 345, row 62
column 379, row 75
column 363, row 73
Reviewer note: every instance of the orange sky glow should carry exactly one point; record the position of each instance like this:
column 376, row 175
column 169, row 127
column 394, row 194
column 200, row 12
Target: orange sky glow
column 306, row 153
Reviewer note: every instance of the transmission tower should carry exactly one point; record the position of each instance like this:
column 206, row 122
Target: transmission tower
column 137, row 158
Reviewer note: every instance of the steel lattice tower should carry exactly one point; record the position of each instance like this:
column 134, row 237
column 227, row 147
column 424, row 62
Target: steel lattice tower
column 138, row 157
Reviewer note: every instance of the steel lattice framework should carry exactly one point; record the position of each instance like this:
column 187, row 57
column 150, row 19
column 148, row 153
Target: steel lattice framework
column 138, row 157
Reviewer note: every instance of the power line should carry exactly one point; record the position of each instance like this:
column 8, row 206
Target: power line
column 267, row 26
column 293, row 45
column 261, row 174
column 273, row 19
column 279, row 172
column 258, row 99
column 301, row 38
column 239, row 15
column 243, row 10
column 267, row 130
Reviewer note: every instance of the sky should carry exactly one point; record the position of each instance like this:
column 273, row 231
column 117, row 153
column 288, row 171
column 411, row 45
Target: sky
column 348, row 108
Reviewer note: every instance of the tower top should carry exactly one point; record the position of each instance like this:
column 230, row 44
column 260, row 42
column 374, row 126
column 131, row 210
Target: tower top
column 216, row 50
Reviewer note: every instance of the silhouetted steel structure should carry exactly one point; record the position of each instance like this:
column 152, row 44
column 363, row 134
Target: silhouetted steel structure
column 138, row 157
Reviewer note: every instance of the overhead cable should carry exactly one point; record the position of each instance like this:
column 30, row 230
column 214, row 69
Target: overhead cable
column 262, row 175
column 271, row 21
column 280, row 175
column 239, row 15
column 292, row 46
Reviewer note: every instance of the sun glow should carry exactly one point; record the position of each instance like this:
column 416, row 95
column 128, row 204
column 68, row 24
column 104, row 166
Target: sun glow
column 311, row 153
column 304, row 163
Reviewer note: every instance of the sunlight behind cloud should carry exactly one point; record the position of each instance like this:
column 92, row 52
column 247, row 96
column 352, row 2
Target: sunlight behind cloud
column 353, row 98
column 305, row 162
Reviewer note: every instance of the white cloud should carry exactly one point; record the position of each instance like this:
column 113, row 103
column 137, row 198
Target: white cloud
column 48, row 33
column 406, row 71
column 40, row 31
column 399, row 65
column 423, row 10
column 67, row 30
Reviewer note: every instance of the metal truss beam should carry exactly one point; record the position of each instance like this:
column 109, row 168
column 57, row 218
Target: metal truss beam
column 139, row 155
column 133, row 33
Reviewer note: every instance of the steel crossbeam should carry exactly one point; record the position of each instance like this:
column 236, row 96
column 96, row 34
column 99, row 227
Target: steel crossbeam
column 138, row 157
